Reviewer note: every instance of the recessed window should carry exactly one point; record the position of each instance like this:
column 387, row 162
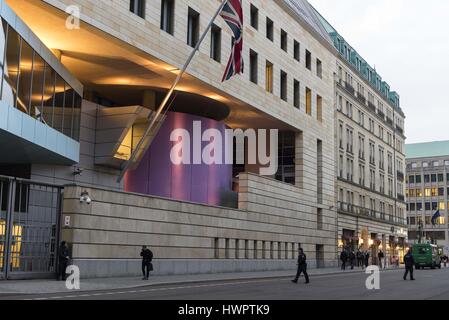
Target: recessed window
column 193, row 27
column 269, row 77
column 308, row 101
column 308, row 60
column 253, row 65
column 137, row 7
column 215, row 43
column 270, row 28
column 284, row 40
column 254, row 17
column 296, row 93
column 283, row 85
column 167, row 14
column 319, row 68
column 319, row 108
column 296, row 50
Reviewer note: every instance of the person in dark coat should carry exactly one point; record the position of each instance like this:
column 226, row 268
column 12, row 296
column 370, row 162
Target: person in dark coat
column 409, row 263
column 147, row 265
column 352, row 259
column 343, row 258
column 302, row 266
column 366, row 259
column 381, row 256
column 63, row 261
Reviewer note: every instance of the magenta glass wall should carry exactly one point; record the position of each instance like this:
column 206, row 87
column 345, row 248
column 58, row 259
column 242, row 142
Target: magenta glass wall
column 157, row 175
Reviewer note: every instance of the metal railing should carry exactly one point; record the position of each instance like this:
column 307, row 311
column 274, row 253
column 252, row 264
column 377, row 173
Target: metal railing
column 348, row 208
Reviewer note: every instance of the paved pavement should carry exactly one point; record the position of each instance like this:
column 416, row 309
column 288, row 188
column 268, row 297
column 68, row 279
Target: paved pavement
column 265, row 285
column 429, row 284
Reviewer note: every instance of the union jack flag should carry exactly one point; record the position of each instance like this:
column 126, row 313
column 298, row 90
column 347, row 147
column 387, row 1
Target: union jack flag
column 232, row 13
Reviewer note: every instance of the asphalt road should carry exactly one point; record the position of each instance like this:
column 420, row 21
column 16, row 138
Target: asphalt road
column 429, row 284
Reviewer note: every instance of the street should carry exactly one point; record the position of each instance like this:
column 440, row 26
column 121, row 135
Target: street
column 429, row 285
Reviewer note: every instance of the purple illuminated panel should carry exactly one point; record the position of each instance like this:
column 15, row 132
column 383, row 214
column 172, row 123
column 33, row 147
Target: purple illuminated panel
column 157, row 175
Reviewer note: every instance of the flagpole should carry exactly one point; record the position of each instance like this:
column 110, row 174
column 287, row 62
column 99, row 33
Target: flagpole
column 164, row 102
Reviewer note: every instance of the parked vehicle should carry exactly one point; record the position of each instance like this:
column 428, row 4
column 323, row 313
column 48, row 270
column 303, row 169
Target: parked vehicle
column 427, row 255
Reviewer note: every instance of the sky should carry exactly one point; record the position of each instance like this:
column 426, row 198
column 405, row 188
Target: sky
column 408, row 43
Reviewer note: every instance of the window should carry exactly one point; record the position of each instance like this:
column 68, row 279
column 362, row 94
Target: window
column 253, row 65
column 193, row 27
column 283, row 86
column 270, row 28
column 319, row 108
column 269, row 77
column 319, row 68
column 411, row 179
column 308, row 101
column 254, row 17
column 441, row 192
column 433, row 178
column 215, row 43
column 296, row 50
column 296, row 94
column 137, row 7
column 426, row 178
column 167, row 14
column 418, row 179
column 308, row 60
column 440, row 177
column 284, row 40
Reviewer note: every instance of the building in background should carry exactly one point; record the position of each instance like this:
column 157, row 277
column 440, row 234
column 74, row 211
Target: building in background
column 427, row 192
column 370, row 156
column 74, row 105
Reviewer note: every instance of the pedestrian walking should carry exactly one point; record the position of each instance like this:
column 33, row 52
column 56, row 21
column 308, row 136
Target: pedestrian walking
column 352, row 259
column 409, row 263
column 302, row 266
column 63, row 261
column 380, row 256
column 343, row 258
column 362, row 260
column 147, row 265
column 366, row 259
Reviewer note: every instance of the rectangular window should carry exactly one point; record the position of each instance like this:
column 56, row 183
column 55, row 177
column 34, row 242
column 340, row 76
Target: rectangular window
column 308, row 60
column 269, row 77
column 319, row 108
column 167, row 14
column 253, row 66
column 193, row 27
column 283, row 86
column 254, row 17
column 215, row 43
column 296, row 50
column 137, row 7
column 308, row 101
column 270, row 29
column 296, row 94
column 319, row 68
column 284, row 40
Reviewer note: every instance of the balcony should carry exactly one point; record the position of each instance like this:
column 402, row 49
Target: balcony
column 399, row 129
column 349, row 88
column 400, row 176
column 347, row 208
column 361, row 98
column 401, row 197
column 381, row 114
column 389, row 122
column 372, row 106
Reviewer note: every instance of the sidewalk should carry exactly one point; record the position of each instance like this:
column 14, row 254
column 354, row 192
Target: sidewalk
column 53, row 286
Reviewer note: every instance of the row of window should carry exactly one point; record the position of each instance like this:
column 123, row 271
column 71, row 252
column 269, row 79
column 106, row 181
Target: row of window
column 428, row 192
column 412, row 221
column 382, row 133
column 373, row 204
column 32, row 86
column 427, row 164
column 428, row 206
column 428, row 178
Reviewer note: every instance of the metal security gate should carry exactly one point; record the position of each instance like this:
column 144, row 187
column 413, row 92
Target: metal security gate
column 29, row 228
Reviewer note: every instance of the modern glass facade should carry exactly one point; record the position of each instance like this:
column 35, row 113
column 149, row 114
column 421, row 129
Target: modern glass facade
column 32, row 86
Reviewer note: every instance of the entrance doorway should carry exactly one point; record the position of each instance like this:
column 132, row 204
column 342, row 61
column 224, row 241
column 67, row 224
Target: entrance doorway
column 29, row 224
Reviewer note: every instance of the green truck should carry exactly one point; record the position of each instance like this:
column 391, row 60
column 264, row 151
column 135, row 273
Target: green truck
column 427, row 255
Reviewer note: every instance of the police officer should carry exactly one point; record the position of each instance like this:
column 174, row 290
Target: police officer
column 147, row 258
column 63, row 259
column 409, row 263
column 302, row 266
